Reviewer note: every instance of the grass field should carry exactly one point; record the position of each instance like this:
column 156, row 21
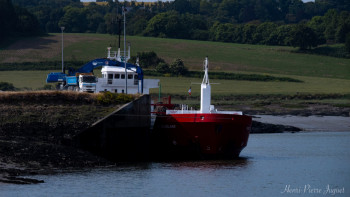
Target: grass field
column 226, row 57
column 311, row 85
column 180, row 86
column 320, row 74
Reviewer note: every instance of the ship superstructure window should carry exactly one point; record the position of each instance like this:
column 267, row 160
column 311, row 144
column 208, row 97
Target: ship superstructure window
column 110, row 78
column 136, row 80
column 123, row 76
column 116, row 76
column 130, row 76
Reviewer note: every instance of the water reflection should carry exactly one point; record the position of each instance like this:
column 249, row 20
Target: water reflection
column 238, row 163
column 269, row 164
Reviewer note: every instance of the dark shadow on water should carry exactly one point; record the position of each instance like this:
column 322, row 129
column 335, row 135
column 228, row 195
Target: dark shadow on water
column 241, row 162
column 145, row 167
column 238, row 163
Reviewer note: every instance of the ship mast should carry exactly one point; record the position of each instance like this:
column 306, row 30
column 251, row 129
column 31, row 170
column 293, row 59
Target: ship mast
column 126, row 74
column 205, row 89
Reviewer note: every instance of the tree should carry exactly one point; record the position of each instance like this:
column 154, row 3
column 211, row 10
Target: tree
column 5, row 86
column 246, row 14
column 147, row 59
column 237, row 34
column 94, row 17
column 267, row 10
column 347, row 43
column 163, row 68
column 7, row 18
column 55, row 16
column 182, row 6
column 343, row 27
column 178, row 67
column 331, row 22
column 318, row 26
column 222, row 32
column 74, row 20
column 205, row 8
column 156, row 26
column 138, row 21
column 27, row 24
column 228, row 11
column 111, row 22
column 173, row 25
column 280, row 36
column 247, row 33
column 263, row 32
column 303, row 37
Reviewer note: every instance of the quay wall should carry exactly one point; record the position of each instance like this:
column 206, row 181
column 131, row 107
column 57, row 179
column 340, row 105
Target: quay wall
column 123, row 135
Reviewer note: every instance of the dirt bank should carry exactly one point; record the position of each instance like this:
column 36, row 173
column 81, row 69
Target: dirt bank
column 36, row 130
column 306, row 109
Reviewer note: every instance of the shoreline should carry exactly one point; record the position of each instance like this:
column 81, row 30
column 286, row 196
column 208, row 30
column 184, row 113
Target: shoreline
column 309, row 123
column 70, row 158
column 309, row 109
column 32, row 144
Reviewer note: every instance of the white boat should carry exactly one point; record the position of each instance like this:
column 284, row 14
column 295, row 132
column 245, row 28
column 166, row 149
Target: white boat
column 116, row 78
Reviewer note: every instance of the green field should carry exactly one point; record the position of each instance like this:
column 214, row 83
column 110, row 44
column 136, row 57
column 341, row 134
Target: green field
column 310, row 85
column 226, row 57
column 180, row 85
column 320, row 74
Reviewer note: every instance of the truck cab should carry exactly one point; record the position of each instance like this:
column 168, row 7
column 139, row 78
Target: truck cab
column 87, row 83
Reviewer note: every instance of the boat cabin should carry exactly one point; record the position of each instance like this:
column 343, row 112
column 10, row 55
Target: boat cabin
column 114, row 79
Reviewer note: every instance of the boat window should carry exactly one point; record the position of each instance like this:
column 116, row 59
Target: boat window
column 129, row 76
column 136, row 80
column 123, row 76
column 110, row 76
column 136, row 77
column 116, row 76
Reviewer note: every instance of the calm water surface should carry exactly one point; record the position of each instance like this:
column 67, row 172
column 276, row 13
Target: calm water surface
column 299, row 164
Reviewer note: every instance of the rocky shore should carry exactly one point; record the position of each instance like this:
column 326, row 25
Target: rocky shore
column 36, row 134
column 36, row 131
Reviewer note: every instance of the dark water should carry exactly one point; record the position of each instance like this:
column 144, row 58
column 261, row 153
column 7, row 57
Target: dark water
column 299, row 164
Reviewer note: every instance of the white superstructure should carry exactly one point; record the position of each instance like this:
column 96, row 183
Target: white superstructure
column 114, row 78
column 205, row 105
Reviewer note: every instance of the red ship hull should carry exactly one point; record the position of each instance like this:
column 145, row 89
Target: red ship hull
column 207, row 135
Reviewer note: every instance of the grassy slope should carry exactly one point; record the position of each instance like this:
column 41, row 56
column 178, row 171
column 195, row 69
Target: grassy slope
column 227, row 87
column 28, row 79
column 320, row 74
column 225, row 56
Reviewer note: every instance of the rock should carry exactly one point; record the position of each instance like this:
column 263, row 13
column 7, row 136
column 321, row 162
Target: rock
column 259, row 127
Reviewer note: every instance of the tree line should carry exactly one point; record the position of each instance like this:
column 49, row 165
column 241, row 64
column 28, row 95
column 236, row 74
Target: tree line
column 16, row 21
column 270, row 22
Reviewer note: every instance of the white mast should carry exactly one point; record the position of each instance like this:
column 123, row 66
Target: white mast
column 205, row 89
column 62, row 29
column 126, row 74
